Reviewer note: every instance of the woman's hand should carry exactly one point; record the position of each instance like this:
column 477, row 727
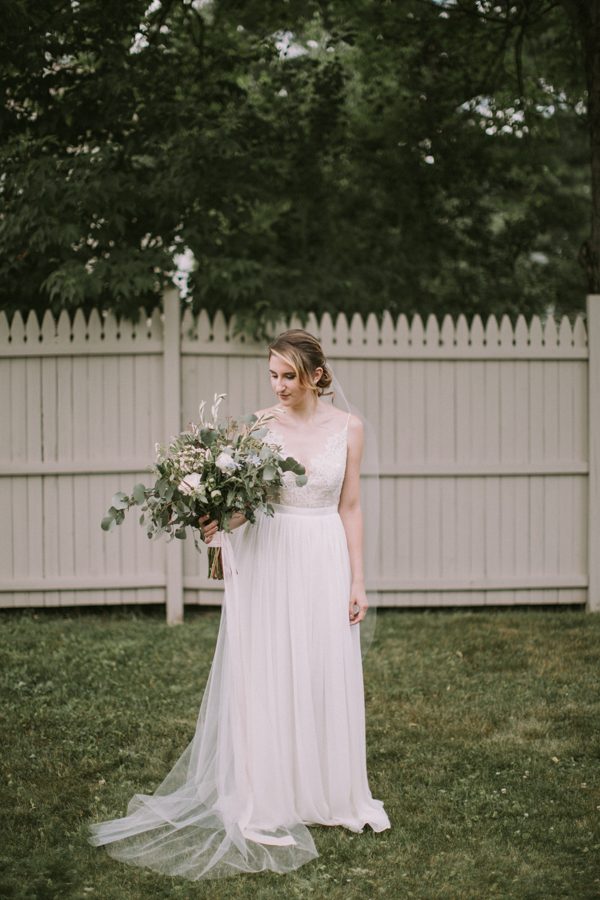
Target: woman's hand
column 358, row 603
column 208, row 529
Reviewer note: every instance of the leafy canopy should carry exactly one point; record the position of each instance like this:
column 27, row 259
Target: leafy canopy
column 414, row 156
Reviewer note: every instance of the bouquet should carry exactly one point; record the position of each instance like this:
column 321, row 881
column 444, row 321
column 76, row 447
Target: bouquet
column 215, row 469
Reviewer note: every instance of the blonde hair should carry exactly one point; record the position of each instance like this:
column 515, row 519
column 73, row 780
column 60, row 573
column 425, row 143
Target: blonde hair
column 304, row 354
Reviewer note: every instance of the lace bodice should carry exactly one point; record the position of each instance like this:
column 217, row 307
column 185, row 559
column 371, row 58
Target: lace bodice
column 325, row 470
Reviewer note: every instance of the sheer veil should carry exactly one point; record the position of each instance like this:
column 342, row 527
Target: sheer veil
column 371, row 509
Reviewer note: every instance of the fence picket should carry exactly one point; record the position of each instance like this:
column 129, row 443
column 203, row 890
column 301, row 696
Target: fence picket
column 506, row 332
column 447, row 331
column 32, row 329
column 342, row 333
column 4, row 330
column 403, row 334
column 477, row 333
column 492, row 332
column 579, row 333
column 565, row 334
column 156, row 324
column 327, row 331
column 462, row 332
column 417, row 332
column 372, row 338
column 312, row 324
column 357, row 331
column 17, row 329
column 94, row 329
column 110, row 330
column 536, row 335
column 521, row 333
column 79, row 327
column 432, row 331
column 550, row 334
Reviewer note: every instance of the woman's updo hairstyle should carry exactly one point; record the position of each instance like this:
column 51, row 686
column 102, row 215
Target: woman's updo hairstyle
column 304, row 354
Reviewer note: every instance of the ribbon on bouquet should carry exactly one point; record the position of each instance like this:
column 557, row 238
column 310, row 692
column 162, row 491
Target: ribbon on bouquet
column 222, row 539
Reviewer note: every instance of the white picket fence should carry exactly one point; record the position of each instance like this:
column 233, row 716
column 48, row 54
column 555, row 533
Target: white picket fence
column 489, row 438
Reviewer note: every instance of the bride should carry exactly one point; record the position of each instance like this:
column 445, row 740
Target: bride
column 280, row 737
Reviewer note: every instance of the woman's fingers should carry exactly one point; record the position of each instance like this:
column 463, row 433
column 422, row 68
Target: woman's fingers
column 208, row 529
column 357, row 611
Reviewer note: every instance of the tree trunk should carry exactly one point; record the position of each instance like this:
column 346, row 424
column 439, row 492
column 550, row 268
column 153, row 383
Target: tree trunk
column 587, row 16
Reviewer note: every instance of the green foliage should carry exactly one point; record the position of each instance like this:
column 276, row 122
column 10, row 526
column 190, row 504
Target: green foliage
column 410, row 157
column 482, row 740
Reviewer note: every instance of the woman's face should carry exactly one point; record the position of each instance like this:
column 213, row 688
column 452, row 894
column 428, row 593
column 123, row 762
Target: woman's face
column 285, row 383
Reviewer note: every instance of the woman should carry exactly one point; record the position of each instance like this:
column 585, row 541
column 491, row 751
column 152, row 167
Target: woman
column 280, row 738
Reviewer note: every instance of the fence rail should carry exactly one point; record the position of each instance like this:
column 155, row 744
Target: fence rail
column 489, row 436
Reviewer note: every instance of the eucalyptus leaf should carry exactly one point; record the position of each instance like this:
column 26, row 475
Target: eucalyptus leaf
column 301, row 480
column 107, row 523
column 120, row 500
column 139, row 493
column 269, row 472
column 289, row 464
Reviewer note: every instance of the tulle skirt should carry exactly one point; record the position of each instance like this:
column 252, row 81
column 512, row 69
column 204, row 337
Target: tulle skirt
column 280, row 736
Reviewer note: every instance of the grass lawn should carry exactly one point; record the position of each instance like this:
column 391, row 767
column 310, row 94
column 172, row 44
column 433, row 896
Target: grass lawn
column 483, row 735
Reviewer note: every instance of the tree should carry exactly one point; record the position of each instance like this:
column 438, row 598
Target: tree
column 414, row 156
column 586, row 15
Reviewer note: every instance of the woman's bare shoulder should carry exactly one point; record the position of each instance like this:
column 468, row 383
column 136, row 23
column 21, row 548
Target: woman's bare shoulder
column 354, row 422
column 355, row 433
column 337, row 418
column 335, row 414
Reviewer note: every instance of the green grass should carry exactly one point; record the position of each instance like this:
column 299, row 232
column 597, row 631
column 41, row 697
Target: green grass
column 483, row 734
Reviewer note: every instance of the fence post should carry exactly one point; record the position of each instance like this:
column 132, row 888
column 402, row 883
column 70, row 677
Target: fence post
column 593, row 330
column 172, row 426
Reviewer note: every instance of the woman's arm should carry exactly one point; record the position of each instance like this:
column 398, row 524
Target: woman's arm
column 351, row 515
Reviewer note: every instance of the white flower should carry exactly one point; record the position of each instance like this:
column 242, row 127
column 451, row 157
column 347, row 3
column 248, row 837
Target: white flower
column 225, row 462
column 190, row 483
column 254, row 459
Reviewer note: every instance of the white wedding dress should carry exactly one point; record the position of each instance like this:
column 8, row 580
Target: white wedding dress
column 280, row 737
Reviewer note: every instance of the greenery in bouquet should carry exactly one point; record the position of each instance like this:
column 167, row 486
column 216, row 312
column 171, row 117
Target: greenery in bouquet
column 216, row 469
